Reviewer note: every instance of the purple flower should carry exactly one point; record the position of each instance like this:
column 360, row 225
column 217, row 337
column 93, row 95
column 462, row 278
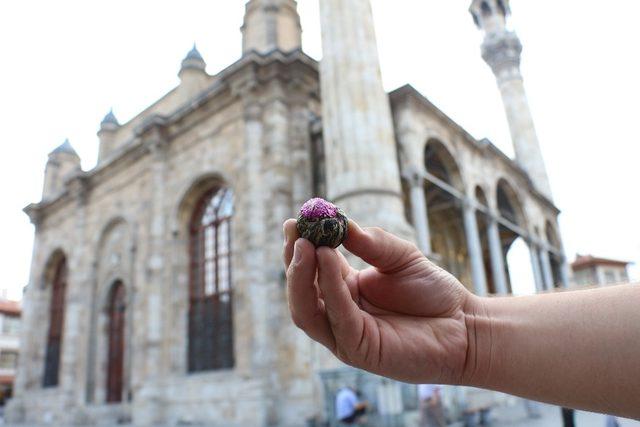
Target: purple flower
column 318, row 208
column 322, row 223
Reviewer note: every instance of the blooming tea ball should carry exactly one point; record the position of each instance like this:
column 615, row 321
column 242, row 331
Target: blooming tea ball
column 322, row 223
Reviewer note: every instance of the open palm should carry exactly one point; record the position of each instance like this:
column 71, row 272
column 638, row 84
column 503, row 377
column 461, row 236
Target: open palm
column 403, row 317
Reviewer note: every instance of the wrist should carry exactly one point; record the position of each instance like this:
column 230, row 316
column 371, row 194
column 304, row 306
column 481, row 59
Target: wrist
column 480, row 341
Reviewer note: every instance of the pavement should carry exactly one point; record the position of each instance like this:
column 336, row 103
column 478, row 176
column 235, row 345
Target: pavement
column 516, row 415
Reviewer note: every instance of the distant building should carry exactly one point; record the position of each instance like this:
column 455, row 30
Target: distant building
column 590, row 270
column 9, row 345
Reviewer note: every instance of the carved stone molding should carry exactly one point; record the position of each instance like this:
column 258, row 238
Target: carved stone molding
column 502, row 52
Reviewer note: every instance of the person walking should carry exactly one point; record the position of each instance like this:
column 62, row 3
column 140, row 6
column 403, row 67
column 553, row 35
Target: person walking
column 431, row 407
column 611, row 421
column 349, row 408
column 568, row 417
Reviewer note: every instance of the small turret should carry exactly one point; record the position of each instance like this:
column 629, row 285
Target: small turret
column 192, row 70
column 107, row 134
column 271, row 25
column 62, row 163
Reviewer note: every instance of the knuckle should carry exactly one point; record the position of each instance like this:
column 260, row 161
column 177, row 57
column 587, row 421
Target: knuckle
column 298, row 321
column 377, row 231
column 343, row 355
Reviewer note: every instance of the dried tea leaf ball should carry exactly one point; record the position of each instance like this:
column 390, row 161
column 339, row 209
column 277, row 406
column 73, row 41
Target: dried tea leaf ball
column 322, row 223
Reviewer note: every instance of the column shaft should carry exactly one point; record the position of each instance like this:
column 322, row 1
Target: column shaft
column 497, row 257
column 535, row 267
column 546, row 269
column 73, row 350
column 420, row 218
column 362, row 168
column 564, row 271
column 475, row 250
column 156, row 261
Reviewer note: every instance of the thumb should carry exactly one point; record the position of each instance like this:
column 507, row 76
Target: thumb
column 380, row 248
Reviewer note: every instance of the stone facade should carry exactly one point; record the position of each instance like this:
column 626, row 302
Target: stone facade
column 259, row 128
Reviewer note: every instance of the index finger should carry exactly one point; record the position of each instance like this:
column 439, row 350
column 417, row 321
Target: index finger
column 290, row 231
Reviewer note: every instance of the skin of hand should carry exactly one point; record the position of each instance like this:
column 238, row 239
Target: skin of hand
column 402, row 305
column 407, row 319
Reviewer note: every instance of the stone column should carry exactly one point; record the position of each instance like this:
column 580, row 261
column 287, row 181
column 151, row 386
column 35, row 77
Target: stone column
column 362, row 169
column 497, row 256
column 256, row 201
column 27, row 372
column 564, row 271
column 547, row 275
column 149, row 407
column 474, row 248
column 30, row 364
column 419, row 211
column 155, row 262
column 258, row 283
column 535, row 266
column 73, row 358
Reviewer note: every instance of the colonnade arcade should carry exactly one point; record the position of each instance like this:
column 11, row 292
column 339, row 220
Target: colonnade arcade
column 470, row 238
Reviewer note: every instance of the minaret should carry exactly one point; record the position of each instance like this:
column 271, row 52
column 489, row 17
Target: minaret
column 107, row 135
column 501, row 49
column 62, row 163
column 362, row 163
column 271, row 25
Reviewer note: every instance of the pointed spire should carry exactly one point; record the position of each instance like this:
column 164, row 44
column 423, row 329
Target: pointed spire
column 193, row 60
column 109, row 119
column 65, row 148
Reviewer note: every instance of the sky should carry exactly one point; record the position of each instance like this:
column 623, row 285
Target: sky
column 65, row 63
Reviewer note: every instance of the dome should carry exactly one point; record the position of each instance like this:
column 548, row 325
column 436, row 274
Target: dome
column 65, row 148
column 193, row 60
column 110, row 118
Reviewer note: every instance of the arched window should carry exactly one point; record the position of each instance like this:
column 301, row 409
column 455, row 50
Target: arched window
column 115, row 371
column 56, row 323
column 210, row 294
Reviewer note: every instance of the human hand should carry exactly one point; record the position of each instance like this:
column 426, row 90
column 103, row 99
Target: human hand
column 403, row 317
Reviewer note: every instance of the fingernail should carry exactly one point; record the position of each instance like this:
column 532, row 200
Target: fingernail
column 297, row 253
column 284, row 233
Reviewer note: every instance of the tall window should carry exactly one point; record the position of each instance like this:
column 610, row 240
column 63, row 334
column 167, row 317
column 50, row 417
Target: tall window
column 115, row 370
column 56, row 322
column 210, row 295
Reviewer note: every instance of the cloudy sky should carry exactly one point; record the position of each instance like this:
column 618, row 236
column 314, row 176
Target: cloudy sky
column 65, row 63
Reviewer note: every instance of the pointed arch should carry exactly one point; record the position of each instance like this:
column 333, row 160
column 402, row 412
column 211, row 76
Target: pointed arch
column 509, row 203
column 56, row 276
column 440, row 163
column 192, row 195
